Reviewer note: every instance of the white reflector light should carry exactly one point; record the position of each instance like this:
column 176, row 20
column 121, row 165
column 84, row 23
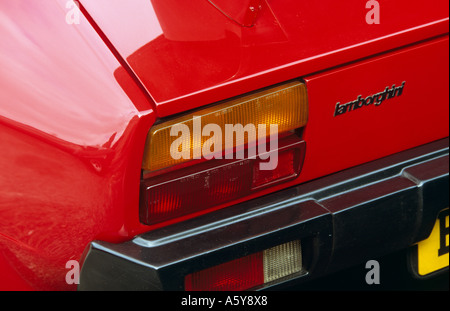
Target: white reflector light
column 282, row 260
column 250, row 271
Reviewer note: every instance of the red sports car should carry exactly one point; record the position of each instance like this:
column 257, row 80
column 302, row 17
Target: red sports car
column 220, row 144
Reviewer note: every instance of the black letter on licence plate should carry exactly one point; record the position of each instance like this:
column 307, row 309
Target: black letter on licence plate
column 443, row 233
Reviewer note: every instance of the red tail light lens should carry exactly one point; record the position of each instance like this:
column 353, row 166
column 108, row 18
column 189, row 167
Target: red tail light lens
column 186, row 166
column 174, row 196
column 237, row 275
column 250, row 271
column 286, row 168
column 204, row 186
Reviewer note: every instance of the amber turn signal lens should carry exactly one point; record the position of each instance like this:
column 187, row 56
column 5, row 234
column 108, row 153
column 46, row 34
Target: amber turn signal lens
column 284, row 105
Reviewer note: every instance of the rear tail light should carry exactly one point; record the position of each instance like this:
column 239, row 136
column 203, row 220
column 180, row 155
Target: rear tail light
column 249, row 272
column 212, row 183
column 284, row 105
column 186, row 185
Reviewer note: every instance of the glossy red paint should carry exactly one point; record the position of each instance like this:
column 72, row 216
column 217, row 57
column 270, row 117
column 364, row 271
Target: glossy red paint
column 71, row 144
column 208, row 58
column 242, row 12
column 418, row 116
column 73, row 116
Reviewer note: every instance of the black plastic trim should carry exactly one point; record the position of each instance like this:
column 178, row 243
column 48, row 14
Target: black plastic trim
column 342, row 219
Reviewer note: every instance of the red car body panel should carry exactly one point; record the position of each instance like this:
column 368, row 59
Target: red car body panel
column 369, row 133
column 77, row 101
column 71, row 141
column 186, row 65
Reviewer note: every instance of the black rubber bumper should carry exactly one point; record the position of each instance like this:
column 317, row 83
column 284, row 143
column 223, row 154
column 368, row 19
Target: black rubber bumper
column 342, row 220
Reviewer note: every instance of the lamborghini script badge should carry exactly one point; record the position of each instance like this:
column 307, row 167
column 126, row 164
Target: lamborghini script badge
column 375, row 99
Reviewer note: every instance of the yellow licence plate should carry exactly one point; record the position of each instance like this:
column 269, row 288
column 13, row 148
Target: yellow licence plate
column 432, row 253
